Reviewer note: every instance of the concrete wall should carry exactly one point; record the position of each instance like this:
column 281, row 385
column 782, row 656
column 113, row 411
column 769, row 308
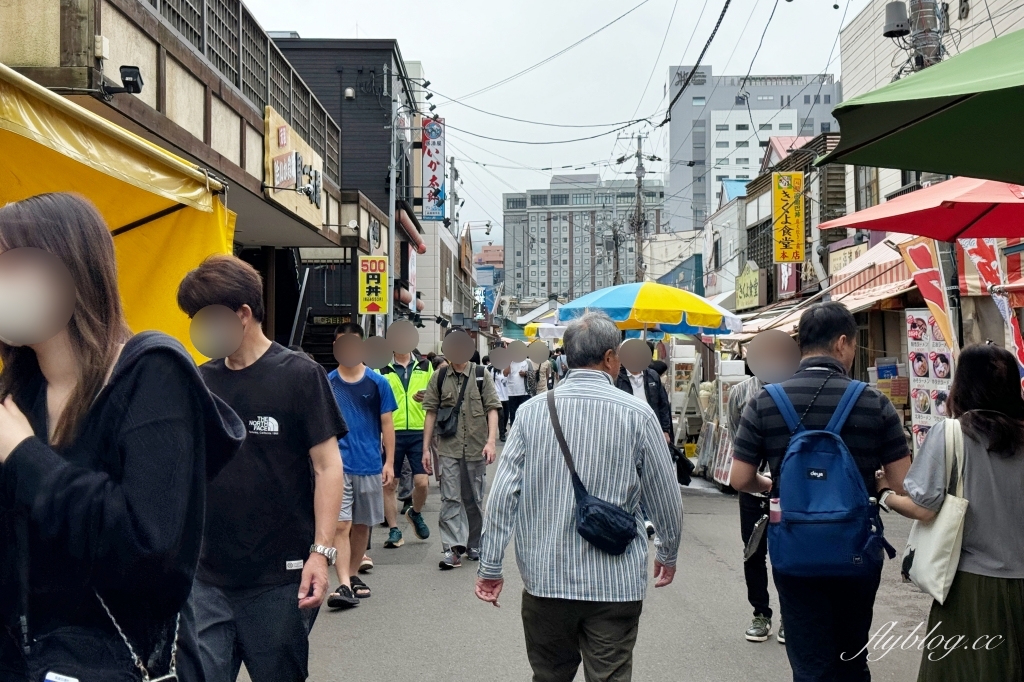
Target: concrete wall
column 868, row 58
column 185, row 95
column 254, row 152
column 30, row 32
column 129, row 47
column 225, row 134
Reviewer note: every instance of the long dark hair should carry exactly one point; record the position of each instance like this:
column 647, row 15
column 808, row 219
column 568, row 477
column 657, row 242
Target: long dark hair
column 986, row 397
column 70, row 228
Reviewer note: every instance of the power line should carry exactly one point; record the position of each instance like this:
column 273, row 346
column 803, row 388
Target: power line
column 554, row 56
column 657, row 59
column 689, row 76
column 536, row 142
column 743, row 83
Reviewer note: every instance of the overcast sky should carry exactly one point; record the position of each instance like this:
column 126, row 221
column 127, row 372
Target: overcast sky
column 466, row 45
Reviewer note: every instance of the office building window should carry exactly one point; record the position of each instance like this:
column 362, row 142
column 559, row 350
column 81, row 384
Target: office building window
column 742, row 126
column 580, row 200
column 565, row 240
column 699, row 178
column 742, row 143
column 533, row 262
column 519, row 264
column 543, row 240
column 576, row 261
column 785, row 126
column 698, row 162
column 865, row 185
column 605, row 199
column 721, row 126
column 722, row 144
column 699, row 123
column 624, row 198
column 698, row 197
column 538, row 200
column 719, row 178
column 653, row 196
column 826, row 127
column 721, row 162
column 560, row 200
column 565, row 261
column 519, row 253
column 807, row 99
column 828, row 99
column 817, row 99
column 742, row 177
column 763, row 143
column 741, row 100
column 765, row 98
column 764, row 126
column 740, row 162
column 577, row 239
column 699, row 101
column 513, row 204
column 807, row 126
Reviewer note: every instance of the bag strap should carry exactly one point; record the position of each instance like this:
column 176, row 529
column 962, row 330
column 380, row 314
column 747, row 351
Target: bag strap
column 955, row 456
column 785, row 406
column 480, row 385
column 845, row 406
column 462, row 395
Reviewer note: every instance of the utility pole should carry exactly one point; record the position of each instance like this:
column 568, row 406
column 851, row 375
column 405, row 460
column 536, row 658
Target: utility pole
column 639, row 221
column 925, row 33
column 617, row 278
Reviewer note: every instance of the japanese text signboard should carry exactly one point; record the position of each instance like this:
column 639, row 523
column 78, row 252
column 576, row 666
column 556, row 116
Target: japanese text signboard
column 293, row 171
column 751, row 291
column 788, row 217
column 434, row 194
column 373, row 285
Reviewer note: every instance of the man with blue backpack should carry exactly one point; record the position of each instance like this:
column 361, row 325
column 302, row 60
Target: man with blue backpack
column 823, row 435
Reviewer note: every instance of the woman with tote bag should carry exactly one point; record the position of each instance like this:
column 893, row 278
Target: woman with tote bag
column 984, row 605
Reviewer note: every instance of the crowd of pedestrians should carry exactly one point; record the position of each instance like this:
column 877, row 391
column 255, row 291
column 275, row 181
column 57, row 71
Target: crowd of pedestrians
column 160, row 520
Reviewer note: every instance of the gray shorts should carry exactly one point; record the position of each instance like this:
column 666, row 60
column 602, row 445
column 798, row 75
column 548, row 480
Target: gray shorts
column 363, row 501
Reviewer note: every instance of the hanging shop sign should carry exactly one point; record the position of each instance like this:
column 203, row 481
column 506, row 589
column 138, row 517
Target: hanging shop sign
column 787, row 280
column 922, row 259
column 293, row 171
column 751, row 287
column 434, row 193
column 373, row 285
column 788, row 217
column 840, row 258
column 930, row 364
column 412, row 275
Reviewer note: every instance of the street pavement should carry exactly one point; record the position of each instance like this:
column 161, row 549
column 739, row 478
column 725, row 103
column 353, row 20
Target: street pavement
column 425, row 625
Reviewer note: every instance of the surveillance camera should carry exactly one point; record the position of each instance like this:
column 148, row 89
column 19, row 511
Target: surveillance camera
column 131, row 79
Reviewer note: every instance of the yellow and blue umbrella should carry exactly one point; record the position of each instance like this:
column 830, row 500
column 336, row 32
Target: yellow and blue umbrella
column 644, row 305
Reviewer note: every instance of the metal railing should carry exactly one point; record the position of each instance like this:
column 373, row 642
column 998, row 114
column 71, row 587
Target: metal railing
column 905, row 189
column 232, row 42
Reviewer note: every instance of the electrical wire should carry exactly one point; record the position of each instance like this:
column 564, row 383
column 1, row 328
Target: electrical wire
column 657, row 59
column 527, row 70
column 700, row 58
column 536, row 142
column 743, row 83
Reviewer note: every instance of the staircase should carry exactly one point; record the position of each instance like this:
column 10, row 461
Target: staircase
column 318, row 341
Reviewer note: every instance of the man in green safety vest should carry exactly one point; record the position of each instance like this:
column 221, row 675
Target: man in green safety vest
column 408, row 377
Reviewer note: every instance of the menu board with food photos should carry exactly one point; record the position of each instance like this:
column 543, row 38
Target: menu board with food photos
column 930, row 364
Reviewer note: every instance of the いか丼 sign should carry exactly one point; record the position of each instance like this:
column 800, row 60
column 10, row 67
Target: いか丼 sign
column 434, row 194
column 373, row 285
column 788, row 217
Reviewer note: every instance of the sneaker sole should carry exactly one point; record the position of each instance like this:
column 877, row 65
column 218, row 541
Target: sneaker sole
column 782, row 640
column 365, row 568
column 447, row 567
column 752, row 638
column 415, row 530
column 393, row 545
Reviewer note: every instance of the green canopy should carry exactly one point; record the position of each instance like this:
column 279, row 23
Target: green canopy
column 961, row 117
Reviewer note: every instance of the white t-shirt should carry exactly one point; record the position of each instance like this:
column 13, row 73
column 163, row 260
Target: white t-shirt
column 500, row 384
column 516, row 383
column 636, row 381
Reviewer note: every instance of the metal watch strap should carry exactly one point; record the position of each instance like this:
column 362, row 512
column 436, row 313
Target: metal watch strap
column 329, row 553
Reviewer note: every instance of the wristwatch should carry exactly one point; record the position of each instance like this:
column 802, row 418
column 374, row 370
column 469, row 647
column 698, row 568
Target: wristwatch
column 330, row 553
column 883, row 495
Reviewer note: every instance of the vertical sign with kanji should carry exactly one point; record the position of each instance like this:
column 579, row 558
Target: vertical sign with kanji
column 434, row 194
column 788, row 217
column 373, row 285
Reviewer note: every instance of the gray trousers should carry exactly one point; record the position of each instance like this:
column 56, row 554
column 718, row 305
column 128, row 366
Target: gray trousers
column 405, row 482
column 462, row 497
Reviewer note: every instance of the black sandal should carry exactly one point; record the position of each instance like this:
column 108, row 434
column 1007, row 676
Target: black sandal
column 342, row 598
column 360, row 589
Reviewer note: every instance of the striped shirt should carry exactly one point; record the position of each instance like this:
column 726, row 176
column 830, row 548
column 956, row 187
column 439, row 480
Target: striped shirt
column 621, row 456
column 873, row 432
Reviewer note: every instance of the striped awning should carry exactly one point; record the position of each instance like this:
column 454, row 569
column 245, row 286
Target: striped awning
column 880, row 265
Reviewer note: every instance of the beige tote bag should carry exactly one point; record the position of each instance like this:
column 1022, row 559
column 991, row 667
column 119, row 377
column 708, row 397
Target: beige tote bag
column 933, row 549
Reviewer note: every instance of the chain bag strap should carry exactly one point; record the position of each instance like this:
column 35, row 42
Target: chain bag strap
column 172, row 673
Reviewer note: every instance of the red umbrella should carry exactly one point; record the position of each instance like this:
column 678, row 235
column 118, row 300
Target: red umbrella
column 950, row 210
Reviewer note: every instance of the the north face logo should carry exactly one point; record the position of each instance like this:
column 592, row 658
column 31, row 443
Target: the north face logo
column 264, row 426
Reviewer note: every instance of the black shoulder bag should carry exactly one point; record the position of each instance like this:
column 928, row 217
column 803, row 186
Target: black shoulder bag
column 448, row 417
column 609, row 528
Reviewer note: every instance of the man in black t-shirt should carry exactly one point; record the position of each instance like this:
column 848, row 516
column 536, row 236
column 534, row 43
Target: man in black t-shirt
column 271, row 512
column 827, row 618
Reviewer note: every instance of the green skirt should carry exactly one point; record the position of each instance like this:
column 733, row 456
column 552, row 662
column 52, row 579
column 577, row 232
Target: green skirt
column 980, row 633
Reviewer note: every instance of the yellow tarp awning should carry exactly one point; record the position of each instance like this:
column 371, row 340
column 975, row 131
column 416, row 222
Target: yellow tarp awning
column 164, row 212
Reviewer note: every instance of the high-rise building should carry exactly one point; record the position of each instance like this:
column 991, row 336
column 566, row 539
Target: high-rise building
column 561, row 240
column 720, row 128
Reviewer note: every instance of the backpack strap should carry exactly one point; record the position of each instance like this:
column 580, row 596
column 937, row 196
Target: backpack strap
column 782, row 401
column 845, row 406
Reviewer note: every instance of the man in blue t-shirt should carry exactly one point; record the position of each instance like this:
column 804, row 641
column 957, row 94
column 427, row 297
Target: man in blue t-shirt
column 366, row 401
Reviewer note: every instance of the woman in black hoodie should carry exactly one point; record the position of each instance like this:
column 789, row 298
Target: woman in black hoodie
column 106, row 443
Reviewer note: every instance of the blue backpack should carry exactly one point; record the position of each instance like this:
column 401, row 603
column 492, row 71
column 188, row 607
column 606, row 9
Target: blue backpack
column 828, row 526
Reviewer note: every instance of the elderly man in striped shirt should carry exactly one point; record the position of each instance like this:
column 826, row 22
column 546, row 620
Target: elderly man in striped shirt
column 581, row 603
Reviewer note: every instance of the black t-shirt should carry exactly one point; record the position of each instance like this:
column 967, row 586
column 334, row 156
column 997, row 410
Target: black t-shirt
column 259, row 509
column 873, row 432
